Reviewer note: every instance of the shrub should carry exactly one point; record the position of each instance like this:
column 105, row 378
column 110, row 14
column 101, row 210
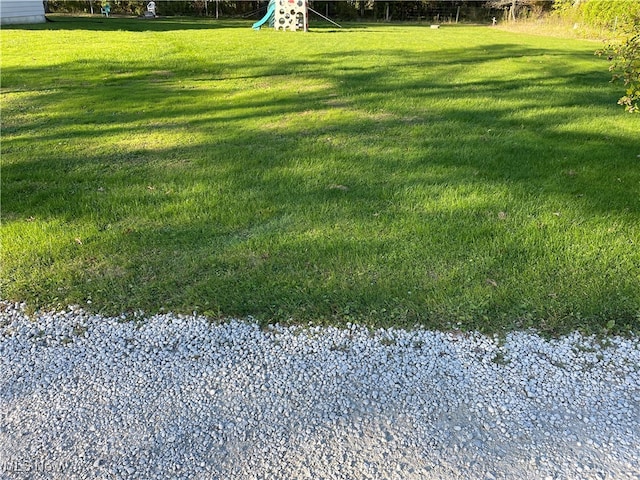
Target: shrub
column 625, row 63
column 609, row 15
column 600, row 14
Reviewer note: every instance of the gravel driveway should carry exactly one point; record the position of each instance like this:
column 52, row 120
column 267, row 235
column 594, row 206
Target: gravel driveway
column 84, row 396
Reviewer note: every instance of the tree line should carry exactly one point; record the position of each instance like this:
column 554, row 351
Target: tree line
column 376, row 10
column 597, row 13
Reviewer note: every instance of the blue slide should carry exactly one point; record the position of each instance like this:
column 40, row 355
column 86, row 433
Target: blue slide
column 267, row 18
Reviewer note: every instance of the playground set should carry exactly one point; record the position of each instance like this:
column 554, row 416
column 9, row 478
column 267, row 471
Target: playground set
column 288, row 15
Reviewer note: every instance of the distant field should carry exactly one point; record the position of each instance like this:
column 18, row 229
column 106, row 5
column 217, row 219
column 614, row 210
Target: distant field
column 387, row 175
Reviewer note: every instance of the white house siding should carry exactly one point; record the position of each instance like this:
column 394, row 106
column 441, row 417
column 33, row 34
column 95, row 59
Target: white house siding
column 21, row 11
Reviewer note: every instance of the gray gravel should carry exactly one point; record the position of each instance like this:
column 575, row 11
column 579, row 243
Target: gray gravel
column 84, row 396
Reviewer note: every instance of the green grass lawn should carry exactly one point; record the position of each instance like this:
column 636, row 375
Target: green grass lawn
column 387, row 175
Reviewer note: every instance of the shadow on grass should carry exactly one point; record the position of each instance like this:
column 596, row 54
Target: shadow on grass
column 130, row 24
column 255, row 211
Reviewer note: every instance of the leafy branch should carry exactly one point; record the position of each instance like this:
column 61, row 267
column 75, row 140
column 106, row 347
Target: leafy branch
column 625, row 64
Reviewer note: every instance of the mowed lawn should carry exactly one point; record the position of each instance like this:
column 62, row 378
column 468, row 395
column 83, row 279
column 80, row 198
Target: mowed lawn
column 389, row 175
